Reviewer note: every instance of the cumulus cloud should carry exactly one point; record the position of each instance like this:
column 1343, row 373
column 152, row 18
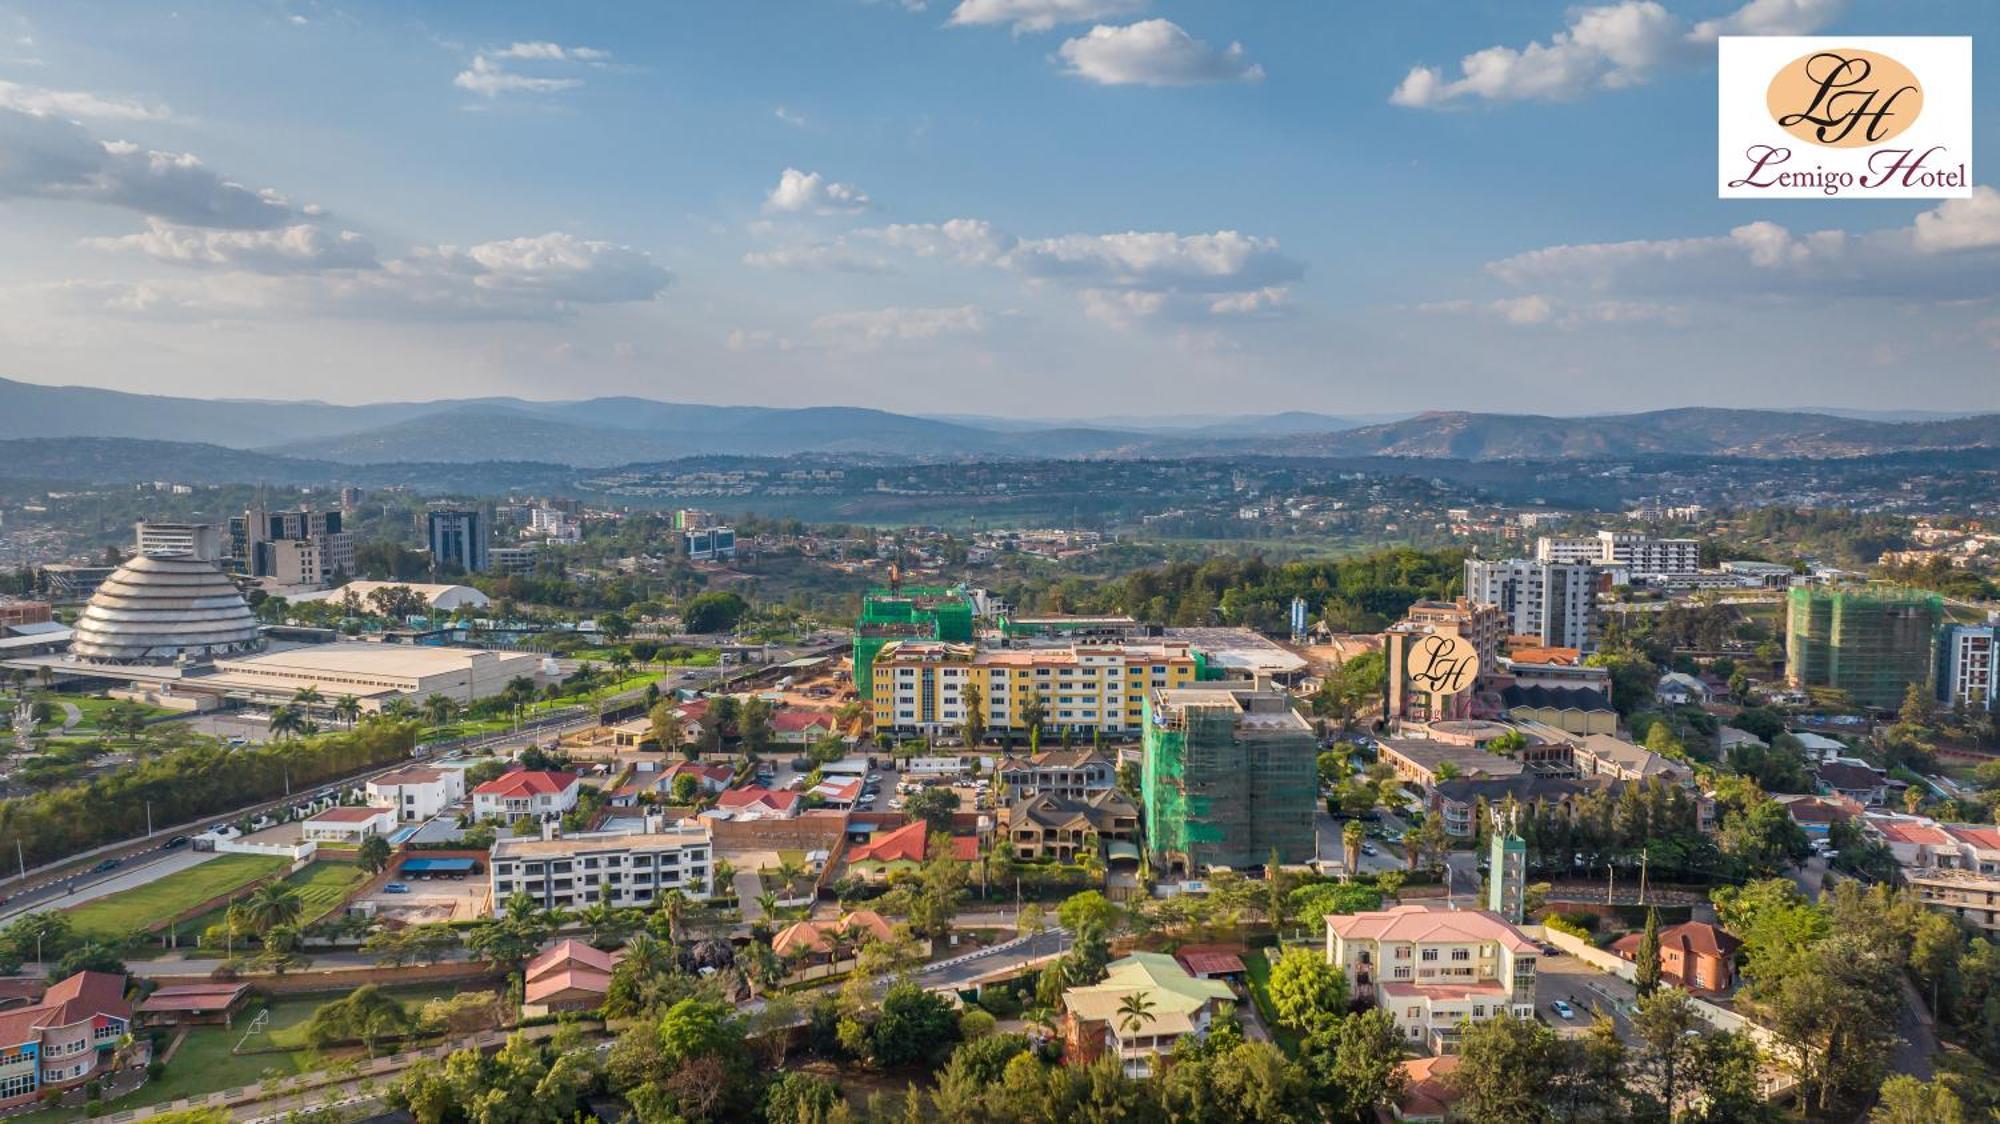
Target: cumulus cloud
column 1539, row 310
column 881, row 326
column 970, row 241
column 1949, row 252
column 1039, row 15
column 1154, row 52
column 296, row 248
column 1225, row 261
column 811, row 193
column 541, row 277
column 76, row 103
column 47, row 157
column 1605, row 47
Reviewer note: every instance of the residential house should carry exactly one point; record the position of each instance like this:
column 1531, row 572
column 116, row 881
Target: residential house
column 755, row 802
column 1854, row 780
column 1097, row 1019
column 838, row 795
column 887, row 852
column 709, row 779
column 809, row 943
column 1060, row 827
column 571, row 976
column 66, row 1038
column 1213, row 962
column 1695, row 956
column 417, row 793
column 526, row 792
column 1678, row 688
column 349, row 824
column 1816, row 815
column 1073, row 773
column 186, row 1004
column 1428, row 1092
column 1600, row 755
column 1424, row 763
column 797, row 726
column 1434, row 968
column 1971, row 897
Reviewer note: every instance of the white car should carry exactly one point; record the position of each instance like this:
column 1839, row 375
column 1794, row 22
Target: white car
column 1562, row 1009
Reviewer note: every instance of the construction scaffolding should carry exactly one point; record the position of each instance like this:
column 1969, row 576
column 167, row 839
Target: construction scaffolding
column 1227, row 778
column 1870, row 644
column 906, row 613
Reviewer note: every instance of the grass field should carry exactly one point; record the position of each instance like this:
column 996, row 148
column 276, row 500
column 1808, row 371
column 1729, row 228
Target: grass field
column 322, row 886
column 116, row 915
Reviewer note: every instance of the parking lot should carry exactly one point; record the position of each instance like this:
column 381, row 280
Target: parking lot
column 1588, row 991
column 428, row 900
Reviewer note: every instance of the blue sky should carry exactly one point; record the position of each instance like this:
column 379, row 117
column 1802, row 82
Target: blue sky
column 1024, row 207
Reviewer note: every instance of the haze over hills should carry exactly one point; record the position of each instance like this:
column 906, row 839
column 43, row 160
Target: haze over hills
column 604, row 432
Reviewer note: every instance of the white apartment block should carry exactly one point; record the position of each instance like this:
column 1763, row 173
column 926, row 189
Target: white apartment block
column 1433, row 968
column 1637, row 553
column 1967, row 671
column 623, row 871
column 1556, row 601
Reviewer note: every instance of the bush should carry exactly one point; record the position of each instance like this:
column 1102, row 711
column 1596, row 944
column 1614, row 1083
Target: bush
column 1576, row 925
column 1001, row 1002
column 975, row 1024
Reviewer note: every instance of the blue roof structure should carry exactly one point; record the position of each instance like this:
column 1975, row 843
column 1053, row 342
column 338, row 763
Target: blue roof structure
column 437, row 866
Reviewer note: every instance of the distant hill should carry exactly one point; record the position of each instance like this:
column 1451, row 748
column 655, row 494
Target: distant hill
column 1696, row 431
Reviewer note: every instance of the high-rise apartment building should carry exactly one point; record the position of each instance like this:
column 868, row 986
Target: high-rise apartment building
column 291, row 548
column 1555, row 601
column 919, row 687
column 457, row 537
column 1870, row 644
column 1426, row 680
column 1228, row 778
column 1965, row 665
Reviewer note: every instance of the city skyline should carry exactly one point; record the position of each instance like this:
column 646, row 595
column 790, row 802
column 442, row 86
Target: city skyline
column 1035, row 208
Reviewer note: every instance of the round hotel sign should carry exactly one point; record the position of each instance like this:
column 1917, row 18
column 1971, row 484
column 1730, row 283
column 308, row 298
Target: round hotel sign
column 1441, row 664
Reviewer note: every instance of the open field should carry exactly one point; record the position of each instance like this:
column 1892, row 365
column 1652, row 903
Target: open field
column 322, row 886
column 114, row 916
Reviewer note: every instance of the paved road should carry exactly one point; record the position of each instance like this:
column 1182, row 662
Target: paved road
column 130, row 875
column 1327, row 829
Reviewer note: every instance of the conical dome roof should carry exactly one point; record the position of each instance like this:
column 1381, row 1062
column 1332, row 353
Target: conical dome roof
column 160, row 608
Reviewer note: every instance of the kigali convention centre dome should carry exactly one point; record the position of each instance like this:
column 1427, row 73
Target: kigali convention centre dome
column 159, row 609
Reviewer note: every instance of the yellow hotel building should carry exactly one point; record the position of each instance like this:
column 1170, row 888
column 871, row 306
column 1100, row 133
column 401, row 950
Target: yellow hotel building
column 920, row 685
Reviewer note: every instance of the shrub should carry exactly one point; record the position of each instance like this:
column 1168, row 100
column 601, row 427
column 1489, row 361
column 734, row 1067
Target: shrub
column 975, row 1024
column 1001, row 1002
column 1562, row 923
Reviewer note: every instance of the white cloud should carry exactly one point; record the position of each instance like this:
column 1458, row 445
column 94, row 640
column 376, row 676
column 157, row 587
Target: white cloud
column 1540, row 310
column 301, row 247
column 1605, row 47
column 1268, row 301
column 1949, row 252
column 837, row 256
column 881, row 326
column 1961, row 224
column 76, row 103
column 756, row 339
column 551, row 52
column 489, row 79
column 1225, row 261
column 970, row 241
column 1039, row 15
column 810, row 192
column 795, row 120
column 1154, row 52
column 540, row 277
column 46, row 157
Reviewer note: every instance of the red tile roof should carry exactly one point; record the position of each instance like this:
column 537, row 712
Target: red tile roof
column 792, row 720
column 1984, row 838
column 198, row 998
column 80, row 998
column 1210, row 962
column 965, row 848
column 1698, row 937
column 527, row 782
column 1428, row 1091
column 569, row 955
column 357, row 813
column 1910, row 831
column 905, row 844
column 758, row 796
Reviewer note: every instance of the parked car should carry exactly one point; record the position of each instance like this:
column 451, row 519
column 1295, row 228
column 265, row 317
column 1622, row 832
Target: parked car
column 1562, row 1010
column 1551, row 950
column 395, row 888
column 107, row 864
column 1368, row 849
column 176, row 841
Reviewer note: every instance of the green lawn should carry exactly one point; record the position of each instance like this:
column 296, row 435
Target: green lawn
column 1258, row 968
column 116, row 915
column 322, row 886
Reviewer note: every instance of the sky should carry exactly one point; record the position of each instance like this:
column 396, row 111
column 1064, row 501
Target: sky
column 1029, row 208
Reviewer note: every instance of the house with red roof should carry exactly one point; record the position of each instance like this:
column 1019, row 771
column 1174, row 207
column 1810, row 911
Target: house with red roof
column 797, row 726
column 1434, row 968
column 67, row 1038
column 571, row 976
column 755, row 802
column 819, row 942
column 1428, row 1093
column 1694, row 956
column 526, row 792
column 887, row 852
column 836, row 794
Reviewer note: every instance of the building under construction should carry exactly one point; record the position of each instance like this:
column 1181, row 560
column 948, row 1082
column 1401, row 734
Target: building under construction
column 1229, row 776
column 906, row 613
column 1870, row 644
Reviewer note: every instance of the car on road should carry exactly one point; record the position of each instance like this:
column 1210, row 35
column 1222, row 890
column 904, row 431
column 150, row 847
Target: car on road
column 107, row 864
column 1563, row 1010
column 176, row 841
column 395, row 888
column 1368, row 849
column 1551, row 950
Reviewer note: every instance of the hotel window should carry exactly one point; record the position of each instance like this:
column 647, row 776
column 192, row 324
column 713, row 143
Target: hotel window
column 1430, row 954
column 17, row 1086
column 1461, row 954
column 1416, row 1012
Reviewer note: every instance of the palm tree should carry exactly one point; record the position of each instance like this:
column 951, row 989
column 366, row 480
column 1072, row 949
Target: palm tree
column 673, row 905
column 307, row 697
column 1134, row 1012
column 348, row 709
column 790, row 872
column 271, row 905
column 1351, row 837
column 768, row 902
column 398, row 707
column 439, row 709
column 286, row 723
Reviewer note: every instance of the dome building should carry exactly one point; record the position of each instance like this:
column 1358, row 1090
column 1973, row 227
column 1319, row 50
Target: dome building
column 163, row 609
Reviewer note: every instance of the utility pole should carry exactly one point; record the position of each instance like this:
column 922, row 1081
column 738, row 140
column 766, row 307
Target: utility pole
column 1610, row 881
column 149, row 819
column 1643, row 856
column 21, row 857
